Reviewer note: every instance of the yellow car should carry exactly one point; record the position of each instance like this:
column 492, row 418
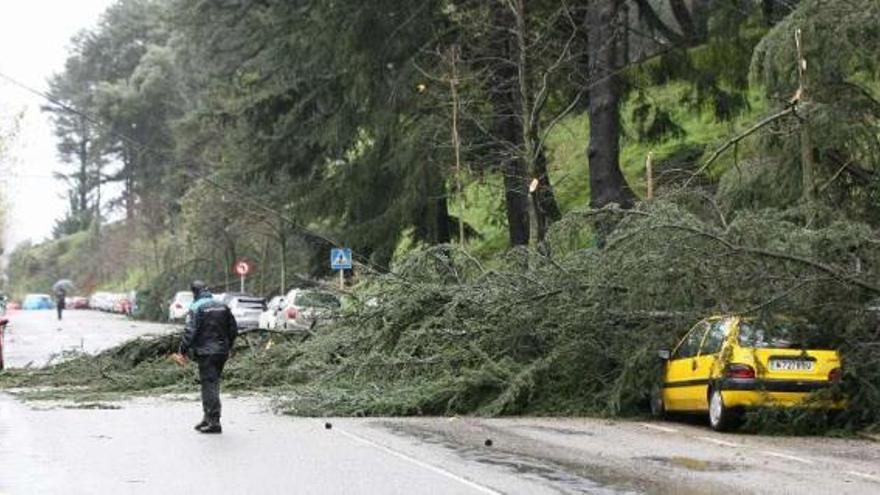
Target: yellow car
column 726, row 364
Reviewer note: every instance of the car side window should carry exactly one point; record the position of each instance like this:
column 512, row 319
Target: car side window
column 715, row 338
column 691, row 344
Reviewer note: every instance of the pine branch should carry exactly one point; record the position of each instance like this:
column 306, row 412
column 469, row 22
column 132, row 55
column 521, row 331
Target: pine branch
column 751, row 130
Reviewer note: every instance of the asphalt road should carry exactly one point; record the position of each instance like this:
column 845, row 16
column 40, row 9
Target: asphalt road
column 148, row 446
column 34, row 338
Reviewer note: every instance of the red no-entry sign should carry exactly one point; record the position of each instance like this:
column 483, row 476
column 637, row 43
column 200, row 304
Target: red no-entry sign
column 242, row 267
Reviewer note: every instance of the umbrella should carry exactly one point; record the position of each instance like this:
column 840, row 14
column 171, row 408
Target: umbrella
column 64, row 283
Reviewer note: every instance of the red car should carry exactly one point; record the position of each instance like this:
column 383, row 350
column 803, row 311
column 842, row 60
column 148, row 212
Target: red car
column 78, row 303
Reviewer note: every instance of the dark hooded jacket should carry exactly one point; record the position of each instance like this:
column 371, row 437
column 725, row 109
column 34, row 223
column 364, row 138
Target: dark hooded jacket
column 210, row 327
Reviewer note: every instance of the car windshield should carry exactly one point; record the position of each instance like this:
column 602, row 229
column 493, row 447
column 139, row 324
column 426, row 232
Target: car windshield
column 185, row 297
column 779, row 335
column 317, row 300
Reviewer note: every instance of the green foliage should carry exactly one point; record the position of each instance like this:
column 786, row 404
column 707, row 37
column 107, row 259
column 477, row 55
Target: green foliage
column 840, row 106
column 36, row 268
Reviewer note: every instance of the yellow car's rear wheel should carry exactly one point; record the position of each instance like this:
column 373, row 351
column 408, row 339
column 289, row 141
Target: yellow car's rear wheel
column 721, row 417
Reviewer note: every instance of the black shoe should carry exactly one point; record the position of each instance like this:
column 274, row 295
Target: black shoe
column 203, row 423
column 211, row 428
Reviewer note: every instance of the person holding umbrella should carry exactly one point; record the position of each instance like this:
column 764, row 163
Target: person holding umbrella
column 60, row 289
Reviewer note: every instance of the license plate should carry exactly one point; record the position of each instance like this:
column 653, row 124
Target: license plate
column 791, row 365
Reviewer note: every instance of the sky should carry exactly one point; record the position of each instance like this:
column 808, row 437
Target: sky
column 34, row 39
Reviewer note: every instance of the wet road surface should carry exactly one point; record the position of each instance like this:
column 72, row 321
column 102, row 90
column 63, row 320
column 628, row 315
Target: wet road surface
column 36, row 337
column 148, row 446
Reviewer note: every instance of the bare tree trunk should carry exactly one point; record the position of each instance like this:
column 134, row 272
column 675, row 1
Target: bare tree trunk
column 808, row 162
column 542, row 204
column 456, row 140
column 607, row 182
column 507, row 130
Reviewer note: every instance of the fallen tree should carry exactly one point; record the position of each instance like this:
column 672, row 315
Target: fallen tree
column 570, row 333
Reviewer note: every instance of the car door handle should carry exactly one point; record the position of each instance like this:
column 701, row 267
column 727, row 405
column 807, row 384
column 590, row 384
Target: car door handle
column 693, row 364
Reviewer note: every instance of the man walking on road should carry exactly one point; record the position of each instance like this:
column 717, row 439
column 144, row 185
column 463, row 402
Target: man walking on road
column 210, row 332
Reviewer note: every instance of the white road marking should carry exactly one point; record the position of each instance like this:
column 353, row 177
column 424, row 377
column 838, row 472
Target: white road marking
column 422, row 464
column 787, row 456
column 659, row 428
column 721, row 442
column 865, row 475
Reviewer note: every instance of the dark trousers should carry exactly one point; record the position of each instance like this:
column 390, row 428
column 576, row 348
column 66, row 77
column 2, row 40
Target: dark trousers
column 210, row 369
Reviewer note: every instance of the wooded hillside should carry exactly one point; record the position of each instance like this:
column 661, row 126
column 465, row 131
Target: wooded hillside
column 554, row 179
column 273, row 130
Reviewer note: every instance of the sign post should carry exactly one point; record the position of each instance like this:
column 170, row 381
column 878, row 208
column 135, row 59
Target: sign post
column 242, row 268
column 340, row 259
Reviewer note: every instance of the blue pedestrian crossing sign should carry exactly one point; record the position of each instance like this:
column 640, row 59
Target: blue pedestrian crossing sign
column 340, row 259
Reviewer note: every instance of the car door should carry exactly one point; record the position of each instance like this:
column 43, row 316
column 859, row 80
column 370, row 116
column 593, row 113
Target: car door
column 684, row 381
column 708, row 361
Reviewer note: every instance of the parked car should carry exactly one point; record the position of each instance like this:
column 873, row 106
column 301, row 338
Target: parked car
column 121, row 304
column 77, row 302
column 101, row 301
column 246, row 310
column 726, row 364
column 226, row 297
column 180, row 305
column 306, row 308
column 269, row 318
column 38, row 301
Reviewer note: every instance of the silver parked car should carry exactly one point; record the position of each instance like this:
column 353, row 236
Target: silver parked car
column 246, row 310
column 306, row 308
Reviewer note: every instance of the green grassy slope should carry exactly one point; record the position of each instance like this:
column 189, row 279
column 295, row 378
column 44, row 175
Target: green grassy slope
column 569, row 171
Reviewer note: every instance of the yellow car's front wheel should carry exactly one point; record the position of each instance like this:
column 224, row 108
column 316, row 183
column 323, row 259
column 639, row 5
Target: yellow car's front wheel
column 721, row 417
column 658, row 408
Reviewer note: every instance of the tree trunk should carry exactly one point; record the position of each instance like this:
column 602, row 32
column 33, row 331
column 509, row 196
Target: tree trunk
column 82, row 178
column 516, row 197
column 442, row 220
column 605, row 36
column 507, row 130
column 264, row 260
column 543, row 207
column 282, row 244
column 432, row 222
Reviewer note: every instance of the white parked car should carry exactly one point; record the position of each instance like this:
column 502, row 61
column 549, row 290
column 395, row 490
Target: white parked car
column 246, row 310
column 269, row 318
column 306, row 308
column 180, row 305
column 102, row 301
